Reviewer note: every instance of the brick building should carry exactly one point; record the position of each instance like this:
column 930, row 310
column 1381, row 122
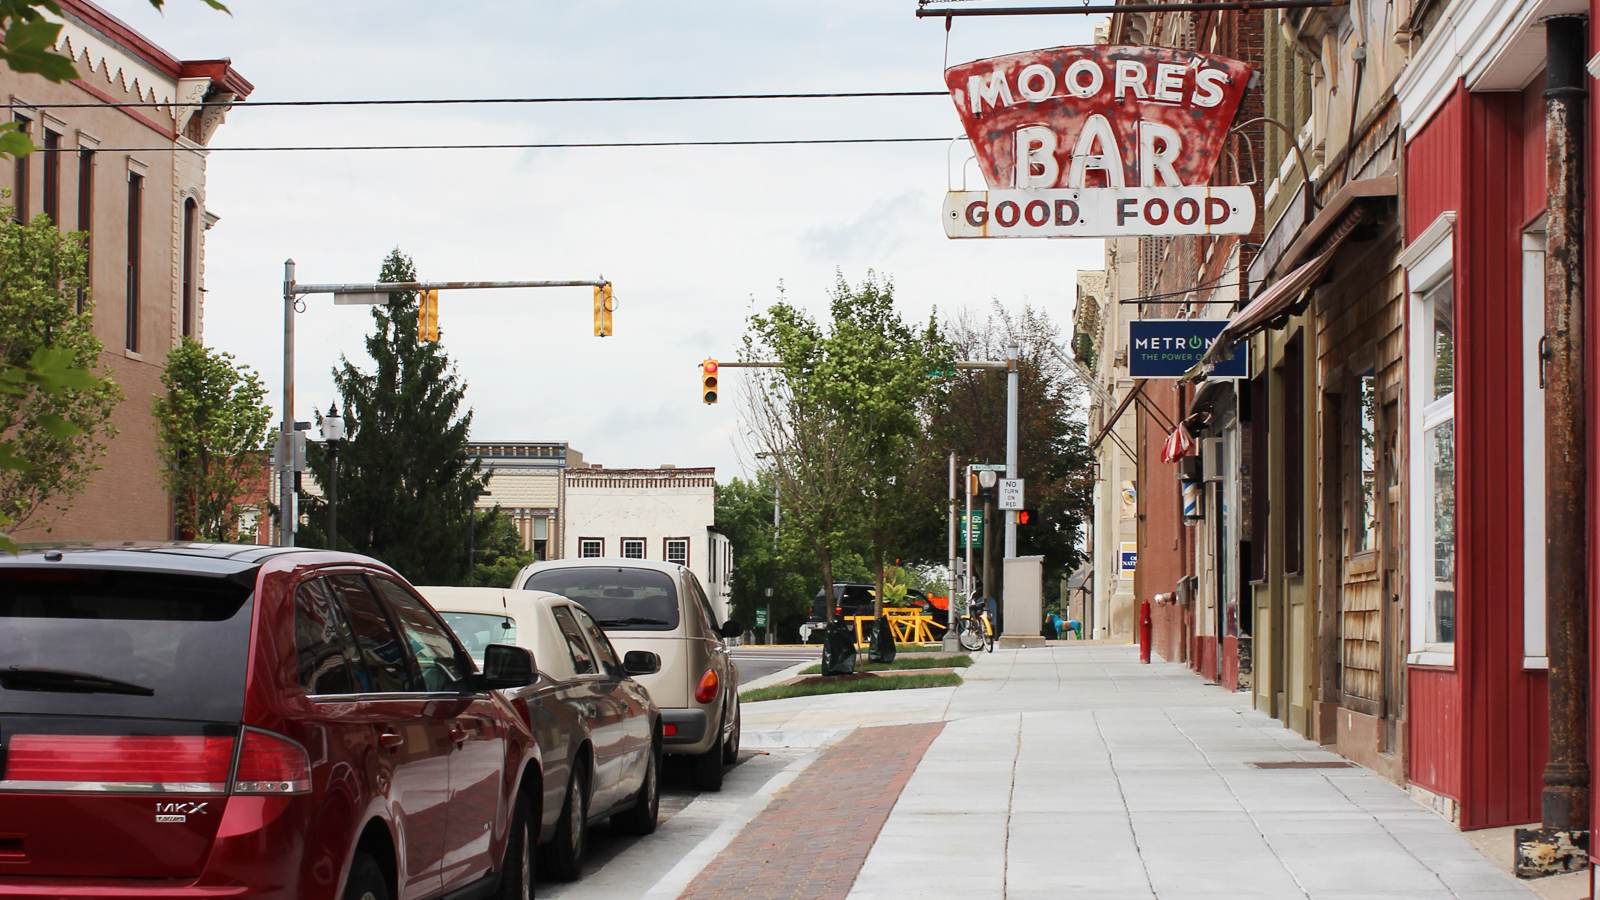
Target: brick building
column 134, row 179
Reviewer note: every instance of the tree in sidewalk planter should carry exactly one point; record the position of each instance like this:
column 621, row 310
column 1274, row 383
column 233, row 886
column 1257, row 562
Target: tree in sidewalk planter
column 213, row 424
column 55, row 412
column 499, row 550
column 1053, row 455
column 406, row 474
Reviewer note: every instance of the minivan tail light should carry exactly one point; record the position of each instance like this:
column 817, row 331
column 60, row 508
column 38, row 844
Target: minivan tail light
column 184, row 764
column 706, row 690
column 271, row 764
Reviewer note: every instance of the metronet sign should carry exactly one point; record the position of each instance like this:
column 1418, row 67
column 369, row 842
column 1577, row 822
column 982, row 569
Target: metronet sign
column 1169, row 348
column 1096, row 141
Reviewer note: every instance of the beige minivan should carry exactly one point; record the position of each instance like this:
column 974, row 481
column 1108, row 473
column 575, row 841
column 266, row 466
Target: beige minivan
column 661, row 607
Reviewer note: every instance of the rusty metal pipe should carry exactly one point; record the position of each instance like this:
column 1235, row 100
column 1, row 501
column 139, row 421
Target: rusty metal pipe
column 1565, row 801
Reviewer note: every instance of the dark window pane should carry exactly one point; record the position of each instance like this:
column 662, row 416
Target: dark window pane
column 383, row 667
column 597, row 638
column 322, row 642
column 621, row 599
column 441, row 665
column 582, row 661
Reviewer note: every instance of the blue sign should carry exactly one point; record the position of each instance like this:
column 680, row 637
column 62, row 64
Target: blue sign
column 1167, row 348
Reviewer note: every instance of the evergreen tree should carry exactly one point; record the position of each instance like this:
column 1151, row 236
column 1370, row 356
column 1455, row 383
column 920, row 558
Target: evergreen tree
column 406, row 477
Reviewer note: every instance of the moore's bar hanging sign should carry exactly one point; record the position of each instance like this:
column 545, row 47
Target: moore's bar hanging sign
column 1168, row 348
column 1098, row 141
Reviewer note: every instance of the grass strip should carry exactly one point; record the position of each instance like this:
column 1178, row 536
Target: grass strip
column 906, row 662
column 884, row 683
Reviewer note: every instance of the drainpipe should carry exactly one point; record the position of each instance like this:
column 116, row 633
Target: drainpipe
column 1565, row 802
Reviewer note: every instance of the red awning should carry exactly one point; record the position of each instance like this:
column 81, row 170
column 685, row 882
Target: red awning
column 1275, row 302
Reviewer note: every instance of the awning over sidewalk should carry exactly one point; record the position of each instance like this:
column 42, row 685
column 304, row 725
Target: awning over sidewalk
column 1275, row 302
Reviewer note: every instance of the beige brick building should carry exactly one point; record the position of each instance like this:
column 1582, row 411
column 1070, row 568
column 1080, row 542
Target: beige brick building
column 134, row 178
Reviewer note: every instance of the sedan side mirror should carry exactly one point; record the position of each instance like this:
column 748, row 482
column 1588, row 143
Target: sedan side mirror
column 506, row 667
column 641, row 662
column 731, row 629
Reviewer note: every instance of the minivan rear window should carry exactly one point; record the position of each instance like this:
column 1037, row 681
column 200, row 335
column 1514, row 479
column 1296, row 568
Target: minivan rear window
column 620, row 599
column 98, row 642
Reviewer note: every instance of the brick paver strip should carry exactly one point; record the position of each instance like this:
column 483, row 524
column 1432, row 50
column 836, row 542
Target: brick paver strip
column 810, row 841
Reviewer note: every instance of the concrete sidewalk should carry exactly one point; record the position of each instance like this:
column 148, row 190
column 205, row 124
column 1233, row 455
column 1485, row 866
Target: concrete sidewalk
column 1075, row 771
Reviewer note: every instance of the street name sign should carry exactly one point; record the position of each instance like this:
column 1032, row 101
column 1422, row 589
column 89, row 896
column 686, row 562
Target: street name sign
column 1097, row 141
column 1168, row 348
column 1011, row 493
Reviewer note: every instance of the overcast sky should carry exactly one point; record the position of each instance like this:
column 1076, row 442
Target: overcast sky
column 691, row 237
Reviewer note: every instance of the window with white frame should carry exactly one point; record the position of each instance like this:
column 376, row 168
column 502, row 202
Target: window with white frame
column 633, row 548
column 1432, row 426
column 678, row 551
column 1533, row 547
column 591, row 548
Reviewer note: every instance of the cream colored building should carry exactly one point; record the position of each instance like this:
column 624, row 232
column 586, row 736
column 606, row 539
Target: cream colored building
column 525, row 482
column 666, row 514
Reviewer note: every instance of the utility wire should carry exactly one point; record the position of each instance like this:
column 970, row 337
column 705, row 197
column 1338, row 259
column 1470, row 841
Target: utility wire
column 469, row 101
column 529, row 146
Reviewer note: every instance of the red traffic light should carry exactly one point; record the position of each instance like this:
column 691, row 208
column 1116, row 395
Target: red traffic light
column 709, row 365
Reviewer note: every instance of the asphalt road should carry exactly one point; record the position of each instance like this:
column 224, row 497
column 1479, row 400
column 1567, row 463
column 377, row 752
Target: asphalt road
column 756, row 661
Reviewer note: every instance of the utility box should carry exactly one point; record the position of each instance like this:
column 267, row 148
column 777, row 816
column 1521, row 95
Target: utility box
column 1024, row 603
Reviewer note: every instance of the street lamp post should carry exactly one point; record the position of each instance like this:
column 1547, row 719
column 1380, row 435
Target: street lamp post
column 332, row 435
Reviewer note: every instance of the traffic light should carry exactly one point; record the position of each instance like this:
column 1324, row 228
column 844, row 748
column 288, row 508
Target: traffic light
column 1028, row 517
column 428, row 317
column 603, row 307
column 708, row 381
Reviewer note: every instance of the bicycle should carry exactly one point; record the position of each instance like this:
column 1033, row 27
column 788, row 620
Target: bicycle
column 976, row 628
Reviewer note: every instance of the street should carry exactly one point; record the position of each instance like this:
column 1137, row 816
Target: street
column 1067, row 771
column 756, row 661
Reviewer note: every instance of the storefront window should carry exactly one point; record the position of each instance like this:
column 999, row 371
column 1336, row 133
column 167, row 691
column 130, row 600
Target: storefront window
column 1439, row 448
column 1367, row 533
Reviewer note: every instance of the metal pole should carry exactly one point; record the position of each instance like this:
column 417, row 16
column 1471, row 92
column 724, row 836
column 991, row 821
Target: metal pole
column 1565, row 802
column 966, row 579
column 1011, row 443
column 286, row 435
column 472, row 526
column 950, row 639
column 333, row 495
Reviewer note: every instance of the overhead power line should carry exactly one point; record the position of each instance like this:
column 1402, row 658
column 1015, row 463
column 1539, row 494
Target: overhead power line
column 484, row 101
column 526, row 146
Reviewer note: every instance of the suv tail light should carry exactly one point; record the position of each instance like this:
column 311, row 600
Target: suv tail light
column 271, row 764
column 706, row 690
column 184, row 764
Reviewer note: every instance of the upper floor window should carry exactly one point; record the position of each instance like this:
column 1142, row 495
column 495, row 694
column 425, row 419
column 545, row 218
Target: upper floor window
column 633, row 548
column 678, row 551
column 191, row 237
column 19, row 187
column 591, row 548
column 52, row 176
column 86, row 217
column 135, row 248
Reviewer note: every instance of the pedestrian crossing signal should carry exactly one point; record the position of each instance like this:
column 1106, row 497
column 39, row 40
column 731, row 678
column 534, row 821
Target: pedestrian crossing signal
column 1027, row 516
column 428, row 317
column 604, row 304
column 708, row 381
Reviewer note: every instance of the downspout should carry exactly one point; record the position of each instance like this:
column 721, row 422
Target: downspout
column 1565, row 801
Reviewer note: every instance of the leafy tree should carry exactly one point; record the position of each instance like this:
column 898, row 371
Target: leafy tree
column 212, row 425
column 1053, row 454
column 27, row 44
column 406, row 476
column 55, row 414
column 499, row 550
column 885, row 378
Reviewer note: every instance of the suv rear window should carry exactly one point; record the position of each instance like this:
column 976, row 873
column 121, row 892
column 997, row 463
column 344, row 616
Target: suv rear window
column 620, row 599
column 100, row 642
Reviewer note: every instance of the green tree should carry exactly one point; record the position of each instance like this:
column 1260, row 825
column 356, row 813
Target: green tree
column 406, row 476
column 213, row 424
column 55, row 414
column 885, row 378
column 1053, row 455
column 499, row 551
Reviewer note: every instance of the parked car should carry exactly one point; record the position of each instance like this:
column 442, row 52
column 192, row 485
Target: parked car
column 860, row 600
column 205, row 719
column 599, row 733
column 661, row 607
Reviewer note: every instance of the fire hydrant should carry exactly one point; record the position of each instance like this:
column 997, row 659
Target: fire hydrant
column 1145, row 627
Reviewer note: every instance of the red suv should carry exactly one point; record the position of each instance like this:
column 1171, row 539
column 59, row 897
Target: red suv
column 190, row 720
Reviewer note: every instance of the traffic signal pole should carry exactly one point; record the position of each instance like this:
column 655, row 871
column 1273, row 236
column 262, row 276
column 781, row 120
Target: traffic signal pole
column 361, row 293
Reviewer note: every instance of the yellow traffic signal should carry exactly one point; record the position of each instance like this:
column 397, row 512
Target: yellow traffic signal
column 604, row 304
column 428, row 317
column 708, row 381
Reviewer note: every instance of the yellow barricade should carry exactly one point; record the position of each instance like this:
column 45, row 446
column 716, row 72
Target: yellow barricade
column 909, row 626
